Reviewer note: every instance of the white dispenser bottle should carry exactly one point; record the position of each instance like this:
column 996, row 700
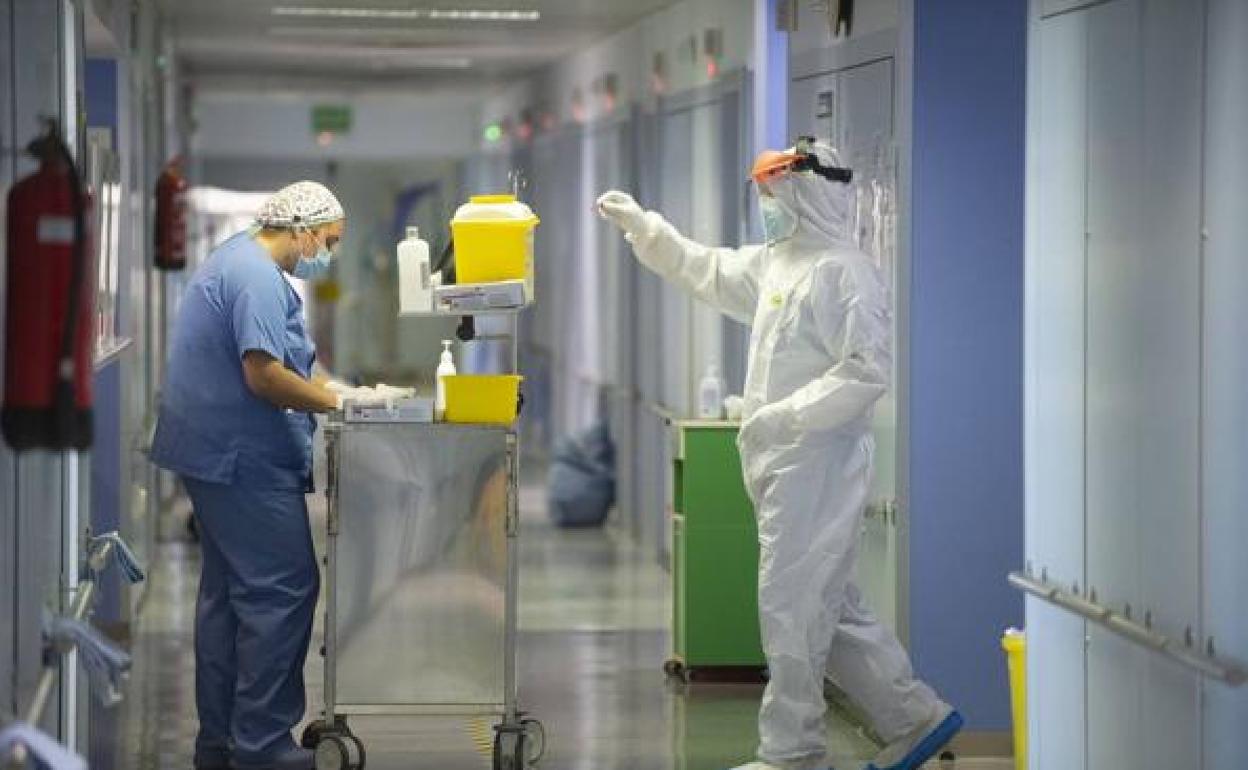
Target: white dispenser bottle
column 446, row 368
column 415, row 284
column 711, row 394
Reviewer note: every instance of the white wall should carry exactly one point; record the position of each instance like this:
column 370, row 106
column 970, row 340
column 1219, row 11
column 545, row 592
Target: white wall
column 230, row 125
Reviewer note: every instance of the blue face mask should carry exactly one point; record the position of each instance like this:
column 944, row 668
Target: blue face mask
column 311, row 268
column 778, row 222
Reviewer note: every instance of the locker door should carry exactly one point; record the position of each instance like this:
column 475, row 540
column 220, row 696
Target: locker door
column 565, row 232
column 866, row 109
column 650, row 489
column 814, row 107
column 862, row 127
column 1170, row 363
column 1225, row 451
column 540, row 322
column 1054, row 487
column 618, row 310
column 734, row 214
column 1143, row 373
column 676, row 203
column 712, row 192
column 852, row 109
column 1114, row 410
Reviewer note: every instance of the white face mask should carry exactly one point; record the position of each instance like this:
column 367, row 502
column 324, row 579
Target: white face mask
column 778, row 221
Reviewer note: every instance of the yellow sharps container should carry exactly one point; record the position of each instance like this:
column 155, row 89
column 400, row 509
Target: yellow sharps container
column 494, row 241
column 1014, row 642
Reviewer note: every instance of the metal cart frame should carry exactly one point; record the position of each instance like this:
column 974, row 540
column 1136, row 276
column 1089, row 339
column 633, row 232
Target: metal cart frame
column 519, row 741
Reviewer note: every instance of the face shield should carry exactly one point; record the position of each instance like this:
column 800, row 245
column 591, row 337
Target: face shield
column 793, row 188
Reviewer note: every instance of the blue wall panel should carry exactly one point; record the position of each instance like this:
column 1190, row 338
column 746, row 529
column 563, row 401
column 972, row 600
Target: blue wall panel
column 100, row 97
column 100, row 93
column 966, row 331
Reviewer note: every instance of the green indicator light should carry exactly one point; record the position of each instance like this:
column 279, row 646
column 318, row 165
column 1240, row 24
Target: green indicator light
column 493, row 132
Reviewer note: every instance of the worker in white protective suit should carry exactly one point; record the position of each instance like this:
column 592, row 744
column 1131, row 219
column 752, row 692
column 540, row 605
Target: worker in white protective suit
column 819, row 360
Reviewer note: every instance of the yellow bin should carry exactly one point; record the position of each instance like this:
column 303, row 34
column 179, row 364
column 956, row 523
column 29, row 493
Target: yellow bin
column 493, row 240
column 1014, row 642
column 482, row 399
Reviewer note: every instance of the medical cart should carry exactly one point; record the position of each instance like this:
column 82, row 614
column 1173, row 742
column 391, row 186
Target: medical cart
column 422, row 573
column 715, row 553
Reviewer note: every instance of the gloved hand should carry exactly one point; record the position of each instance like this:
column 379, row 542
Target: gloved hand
column 768, row 434
column 770, row 424
column 620, row 208
column 382, row 394
column 362, row 396
column 337, row 386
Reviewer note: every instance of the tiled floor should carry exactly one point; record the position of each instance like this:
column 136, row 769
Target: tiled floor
column 593, row 619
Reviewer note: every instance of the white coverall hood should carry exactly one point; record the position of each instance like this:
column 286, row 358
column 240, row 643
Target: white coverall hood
column 822, row 207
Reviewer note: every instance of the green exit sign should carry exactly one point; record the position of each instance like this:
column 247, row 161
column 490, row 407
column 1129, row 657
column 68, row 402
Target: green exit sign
column 331, row 118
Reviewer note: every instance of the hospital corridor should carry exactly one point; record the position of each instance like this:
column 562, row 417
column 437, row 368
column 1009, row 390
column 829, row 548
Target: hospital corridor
column 623, row 385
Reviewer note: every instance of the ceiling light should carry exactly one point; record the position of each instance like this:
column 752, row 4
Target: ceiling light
column 432, row 14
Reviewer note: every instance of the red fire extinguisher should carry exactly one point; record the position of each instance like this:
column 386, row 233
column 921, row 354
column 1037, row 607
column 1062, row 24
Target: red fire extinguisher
column 170, row 224
column 49, row 326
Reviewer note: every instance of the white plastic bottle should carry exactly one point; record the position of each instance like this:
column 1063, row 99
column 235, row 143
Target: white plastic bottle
column 711, row 394
column 415, row 284
column 446, row 368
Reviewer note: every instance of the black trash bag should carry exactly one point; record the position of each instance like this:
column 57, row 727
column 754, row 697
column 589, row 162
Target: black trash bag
column 582, row 479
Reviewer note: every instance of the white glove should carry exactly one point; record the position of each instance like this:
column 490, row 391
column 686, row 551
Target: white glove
column 337, row 386
column 392, row 393
column 620, row 208
column 381, row 395
column 734, row 407
column 362, row 396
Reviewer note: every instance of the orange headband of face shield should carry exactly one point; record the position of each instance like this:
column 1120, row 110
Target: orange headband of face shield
column 771, row 164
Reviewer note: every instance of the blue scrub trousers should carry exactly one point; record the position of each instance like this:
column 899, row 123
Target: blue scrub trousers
column 253, row 620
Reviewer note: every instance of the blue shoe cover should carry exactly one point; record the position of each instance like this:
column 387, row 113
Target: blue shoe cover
column 936, row 740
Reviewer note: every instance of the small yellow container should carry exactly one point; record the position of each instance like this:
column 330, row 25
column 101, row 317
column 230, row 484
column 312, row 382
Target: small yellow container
column 482, row 399
column 1014, row 642
column 493, row 240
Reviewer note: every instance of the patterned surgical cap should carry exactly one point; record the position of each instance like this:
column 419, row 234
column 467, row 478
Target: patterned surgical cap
column 302, row 204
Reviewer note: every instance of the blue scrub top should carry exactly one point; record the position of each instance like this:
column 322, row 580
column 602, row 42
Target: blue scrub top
column 211, row 426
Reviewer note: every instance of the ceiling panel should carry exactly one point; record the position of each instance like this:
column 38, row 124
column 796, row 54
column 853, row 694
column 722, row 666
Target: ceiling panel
column 234, row 41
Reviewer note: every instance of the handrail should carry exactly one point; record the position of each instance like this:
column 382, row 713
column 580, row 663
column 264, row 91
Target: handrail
column 82, row 603
column 1183, row 651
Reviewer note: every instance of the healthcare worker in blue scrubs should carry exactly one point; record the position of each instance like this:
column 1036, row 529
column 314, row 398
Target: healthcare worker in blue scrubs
column 236, row 424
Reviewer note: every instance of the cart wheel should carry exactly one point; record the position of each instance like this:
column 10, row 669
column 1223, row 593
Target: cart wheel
column 521, row 758
column 332, row 754
column 535, row 733
column 312, row 734
column 509, row 750
column 675, row 669
column 360, row 753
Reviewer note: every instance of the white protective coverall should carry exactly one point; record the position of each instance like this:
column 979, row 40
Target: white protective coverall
column 819, row 359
